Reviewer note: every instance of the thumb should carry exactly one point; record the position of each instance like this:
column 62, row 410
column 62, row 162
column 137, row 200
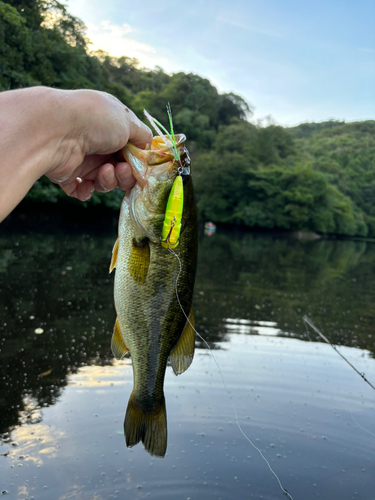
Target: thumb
column 139, row 134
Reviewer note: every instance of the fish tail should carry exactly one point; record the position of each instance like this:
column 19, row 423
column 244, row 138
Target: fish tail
column 150, row 427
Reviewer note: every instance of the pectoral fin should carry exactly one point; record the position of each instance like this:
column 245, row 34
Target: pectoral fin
column 139, row 260
column 118, row 346
column 114, row 256
column 183, row 353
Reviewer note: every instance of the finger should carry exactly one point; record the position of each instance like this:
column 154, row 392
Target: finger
column 124, row 175
column 92, row 163
column 106, row 179
column 140, row 134
column 88, row 169
column 85, row 190
column 80, row 189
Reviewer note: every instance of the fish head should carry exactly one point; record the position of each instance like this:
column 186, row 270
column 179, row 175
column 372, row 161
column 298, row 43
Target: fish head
column 155, row 170
column 156, row 161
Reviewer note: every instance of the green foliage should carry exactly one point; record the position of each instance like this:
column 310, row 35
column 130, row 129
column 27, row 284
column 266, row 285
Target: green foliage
column 317, row 176
column 41, row 43
column 296, row 198
column 14, row 48
column 346, row 153
column 263, row 177
column 46, row 192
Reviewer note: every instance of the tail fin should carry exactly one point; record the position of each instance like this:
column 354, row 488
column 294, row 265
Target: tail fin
column 148, row 427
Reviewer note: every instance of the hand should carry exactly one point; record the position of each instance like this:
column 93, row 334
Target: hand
column 102, row 172
column 72, row 136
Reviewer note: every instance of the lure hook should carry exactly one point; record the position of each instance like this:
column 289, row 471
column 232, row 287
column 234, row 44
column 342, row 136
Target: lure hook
column 175, row 204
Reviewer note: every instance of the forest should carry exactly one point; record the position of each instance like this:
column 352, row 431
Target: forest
column 316, row 177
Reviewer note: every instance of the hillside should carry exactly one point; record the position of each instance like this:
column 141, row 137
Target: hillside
column 316, row 176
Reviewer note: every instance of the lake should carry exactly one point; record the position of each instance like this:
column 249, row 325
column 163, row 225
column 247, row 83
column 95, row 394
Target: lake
column 63, row 397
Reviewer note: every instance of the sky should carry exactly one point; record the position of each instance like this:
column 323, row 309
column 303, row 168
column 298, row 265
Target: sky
column 292, row 60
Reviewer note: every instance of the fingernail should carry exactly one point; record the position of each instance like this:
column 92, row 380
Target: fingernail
column 103, row 188
column 90, row 194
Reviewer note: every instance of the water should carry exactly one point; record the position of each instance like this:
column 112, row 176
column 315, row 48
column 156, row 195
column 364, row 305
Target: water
column 63, row 397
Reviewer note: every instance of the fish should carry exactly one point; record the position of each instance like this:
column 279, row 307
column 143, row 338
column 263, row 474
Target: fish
column 154, row 286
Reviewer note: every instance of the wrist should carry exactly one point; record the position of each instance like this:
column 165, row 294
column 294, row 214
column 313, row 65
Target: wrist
column 41, row 127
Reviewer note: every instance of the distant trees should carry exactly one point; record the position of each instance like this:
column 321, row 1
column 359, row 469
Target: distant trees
column 317, row 176
column 258, row 177
column 345, row 153
column 41, row 43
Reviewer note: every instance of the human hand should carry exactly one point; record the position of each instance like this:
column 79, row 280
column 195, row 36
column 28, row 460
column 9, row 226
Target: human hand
column 72, row 136
column 100, row 173
column 94, row 161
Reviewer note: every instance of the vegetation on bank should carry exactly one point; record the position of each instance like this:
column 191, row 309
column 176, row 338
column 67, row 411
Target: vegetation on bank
column 317, row 176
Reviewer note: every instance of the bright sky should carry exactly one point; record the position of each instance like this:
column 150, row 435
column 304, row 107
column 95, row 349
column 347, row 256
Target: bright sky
column 296, row 60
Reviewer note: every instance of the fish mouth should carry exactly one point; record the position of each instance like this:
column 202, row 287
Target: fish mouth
column 156, row 160
column 157, row 152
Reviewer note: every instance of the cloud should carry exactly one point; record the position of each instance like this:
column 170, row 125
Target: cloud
column 41, row 441
column 248, row 27
column 101, row 377
column 116, row 39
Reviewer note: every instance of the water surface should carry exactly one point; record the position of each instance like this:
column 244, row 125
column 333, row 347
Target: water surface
column 63, row 397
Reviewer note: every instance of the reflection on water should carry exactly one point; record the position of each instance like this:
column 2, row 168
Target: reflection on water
column 270, row 278
column 63, row 398
column 251, row 327
column 299, row 403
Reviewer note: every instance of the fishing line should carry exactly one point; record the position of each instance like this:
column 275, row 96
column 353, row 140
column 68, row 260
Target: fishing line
column 311, row 324
column 360, row 426
column 224, row 384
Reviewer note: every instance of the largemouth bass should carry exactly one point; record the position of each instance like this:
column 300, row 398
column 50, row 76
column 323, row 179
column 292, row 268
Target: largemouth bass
column 150, row 323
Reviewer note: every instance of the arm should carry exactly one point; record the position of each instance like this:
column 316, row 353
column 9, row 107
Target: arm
column 71, row 136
